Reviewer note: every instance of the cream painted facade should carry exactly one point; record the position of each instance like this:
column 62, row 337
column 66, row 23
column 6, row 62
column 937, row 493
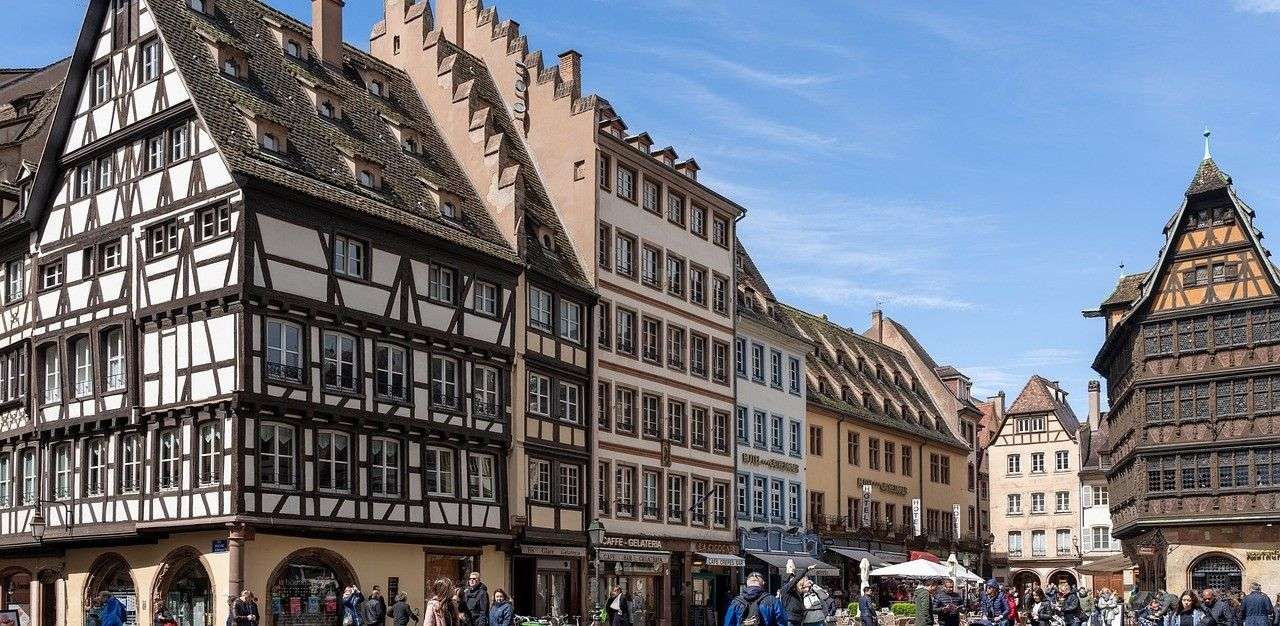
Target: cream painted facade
column 1035, row 503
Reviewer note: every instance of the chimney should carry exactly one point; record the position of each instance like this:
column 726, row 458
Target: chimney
column 877, row 325
column 997, row 401
column 1095, row 403
column 571, row 71
column 326, row 30
column 449, row 19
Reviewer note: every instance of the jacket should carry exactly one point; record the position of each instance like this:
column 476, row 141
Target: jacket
column 1198, row 618
column 1147, row 617
column 996, row 609
column 244, row 611
column 500, row 614
column 375, row 611
column 816, row 603
column 433, row 613
column 767, row 607
column 475, row 602
column 792, row 603
column 351, row 604
column 620, row 616
column 1220, row 611
column 112, row 612
column 401, row 613
column 1086, row 602
column 924, row 606
column 947, row 607
column 866, row 611
column 1257, row 609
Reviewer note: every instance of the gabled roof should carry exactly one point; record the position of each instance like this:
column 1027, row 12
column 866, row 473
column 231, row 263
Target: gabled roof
column 835, row 363
column 1042, row 395
column 1128, row 288
column 315, row 166
column 1092, row 447
column 1208, row 178
column 755, row 299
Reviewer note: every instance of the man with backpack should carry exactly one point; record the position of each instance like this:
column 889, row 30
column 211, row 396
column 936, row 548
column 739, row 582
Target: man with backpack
column 754, row 606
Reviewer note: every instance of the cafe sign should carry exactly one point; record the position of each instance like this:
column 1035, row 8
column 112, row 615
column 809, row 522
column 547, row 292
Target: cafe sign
column 751, row 458
column 633, row 542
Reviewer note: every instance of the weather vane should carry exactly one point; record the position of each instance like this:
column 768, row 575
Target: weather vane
column 1206, row 143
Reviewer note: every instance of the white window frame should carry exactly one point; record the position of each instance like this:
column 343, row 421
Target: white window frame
column 179, row 143
column 339, row 361
column 484, row 298
column 149, row 61
column 444, row 381
column 349, row 257
column 484, row 391
column 327, row 457
column 62, row 468
column 112, row 255
column 6, row 479
column 287, row 356
column 569, row 402
column 102, row 83
column 539, row 401
column 570, row 321
column 82, row 359
column 52, row 374
column 209, row 453
column 30, row 477
column 391, row 371
column 570, row 485
column 51, row 275
column 1013, row 504
column 277, row 459
column 540, row 480
column 113, row 352
column 540, row 309
column 384, row 467
column 442, row 281
column 481, row 477
column 130, row 463
column 169, row 460
column 15, row 280
column 438, row 464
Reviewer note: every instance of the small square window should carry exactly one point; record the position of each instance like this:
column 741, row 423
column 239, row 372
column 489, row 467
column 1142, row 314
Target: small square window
column 51, row 275
column 110, row 255
column 349, row 256
column 215, row 221
column 162, row 238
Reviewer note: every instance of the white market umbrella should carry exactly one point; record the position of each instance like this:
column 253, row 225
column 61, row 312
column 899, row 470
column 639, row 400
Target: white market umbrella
column 865, row 569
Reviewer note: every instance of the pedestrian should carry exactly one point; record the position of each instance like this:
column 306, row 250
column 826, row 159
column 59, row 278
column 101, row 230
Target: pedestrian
column 1068, row 604
column 619, row 608
column 923, row 598
column 375, row 608
column 867, row 608
column 500, row 611
column 352, row 598
column 474, row 608
column 1188, row 612
column 817, row 601
column 1087, row 605
column 1258, row 610
column 996, row 610
column 1110, row 612
column 400, row 611
column 1153, row 614
column 1041, row 611
column 946, row 604
column 245, row 609
column 792, row 595
column 163, row 617
column 1217, row 608
column 442, row 593
column 112, row 610
column 753, row 606
column 231, row 610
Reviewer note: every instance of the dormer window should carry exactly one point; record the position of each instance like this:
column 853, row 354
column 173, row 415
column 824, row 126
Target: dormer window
column 270, row 142
column 367, row 179
column 201, row 6
column 377, row 88
column 293, row 49
column 327, row 110
column 409, row 145
column 270, row 136
column 449, row 210
column 231, row 68
column 367, row 173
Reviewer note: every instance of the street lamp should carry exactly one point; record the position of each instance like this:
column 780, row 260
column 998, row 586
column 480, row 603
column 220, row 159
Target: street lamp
column 595, row 537
column 39, row 525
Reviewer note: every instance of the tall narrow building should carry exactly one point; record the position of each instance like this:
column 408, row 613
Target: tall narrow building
column 1190, row 358
column 662, row 244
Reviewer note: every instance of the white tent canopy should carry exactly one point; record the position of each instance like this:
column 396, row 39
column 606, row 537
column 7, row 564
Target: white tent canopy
column 924, row 568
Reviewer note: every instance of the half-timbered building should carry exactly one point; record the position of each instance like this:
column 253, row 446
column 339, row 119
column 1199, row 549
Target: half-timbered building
column 1190, row 358
column 662, row 242
column 262, row 303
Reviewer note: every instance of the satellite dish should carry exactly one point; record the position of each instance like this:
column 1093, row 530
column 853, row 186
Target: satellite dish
column 519, row 107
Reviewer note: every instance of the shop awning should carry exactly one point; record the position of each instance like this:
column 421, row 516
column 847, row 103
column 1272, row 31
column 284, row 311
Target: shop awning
column 780, row 561
column 877, row 560
column 722, row 560
column 1108, row 565
column 635, row 556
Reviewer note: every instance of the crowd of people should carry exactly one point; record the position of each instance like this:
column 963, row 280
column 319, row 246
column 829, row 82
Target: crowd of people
column 446, row 605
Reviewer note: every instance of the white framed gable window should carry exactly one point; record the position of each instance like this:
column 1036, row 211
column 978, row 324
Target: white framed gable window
column 440, row 285
column 209, row 453
column 484, row 391
column 339, row 363
column 349, row 256
column 149, row 61
column 540, row 311
column 170, row 462
column 102, row 83
column 570, row 321
column 484, row 298
column 333, row 461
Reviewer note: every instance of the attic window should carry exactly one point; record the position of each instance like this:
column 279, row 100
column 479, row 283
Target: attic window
column 231, row 68
column 866, row 400
column 409, row 145
column 328, row 110
column 395, row 44
column 367, row 179
column 199, row 5
column 449, row 210
column 270, row 142
column 376, row 88
column 293, row 49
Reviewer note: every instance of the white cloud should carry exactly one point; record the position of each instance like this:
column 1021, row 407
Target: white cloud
column 1257, row 6
column 839, row 291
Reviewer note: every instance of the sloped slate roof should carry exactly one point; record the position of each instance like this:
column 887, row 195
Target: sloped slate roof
column 1208, row 178
column 755, row 299
column 924, row 420
column 1128, row 288
column 315, row 166
column 1039, row 396
column 1095, row 444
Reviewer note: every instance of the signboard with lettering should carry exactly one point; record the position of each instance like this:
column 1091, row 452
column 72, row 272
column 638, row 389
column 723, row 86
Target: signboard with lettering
column 220, row 545
column 955, row 520
column 866, row 506
column 1262, row 555
column 915, row 516
column 889, row 488
column 751, row 458
column 633, row 542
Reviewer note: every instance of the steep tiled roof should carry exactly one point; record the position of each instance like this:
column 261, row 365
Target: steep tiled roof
column 315, row 166
column 1208, row 178
column 755, row 299
column 897, row 401
column 1041, row 395
column 987, row 424
column 1094, row 445
column 915, row 345
column 1128, row 288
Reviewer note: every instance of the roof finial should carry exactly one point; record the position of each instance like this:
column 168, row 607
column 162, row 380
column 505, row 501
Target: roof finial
column 1207, row 156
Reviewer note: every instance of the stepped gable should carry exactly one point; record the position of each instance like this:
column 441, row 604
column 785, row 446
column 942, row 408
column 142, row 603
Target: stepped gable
column 474, row 88
column 315, row 166
column 1040, row 395
column 835, row 362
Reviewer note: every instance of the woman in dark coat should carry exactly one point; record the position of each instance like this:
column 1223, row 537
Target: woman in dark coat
column 618, row 609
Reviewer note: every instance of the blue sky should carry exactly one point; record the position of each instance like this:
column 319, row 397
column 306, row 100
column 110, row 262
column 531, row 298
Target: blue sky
column 981, row 168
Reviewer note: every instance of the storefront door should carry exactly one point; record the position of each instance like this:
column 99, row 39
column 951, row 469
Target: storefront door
column 189, row 598
column 646, row 600
column 306, row 593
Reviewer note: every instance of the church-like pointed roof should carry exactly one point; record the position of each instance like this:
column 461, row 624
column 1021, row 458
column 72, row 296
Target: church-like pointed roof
column 1209, row 177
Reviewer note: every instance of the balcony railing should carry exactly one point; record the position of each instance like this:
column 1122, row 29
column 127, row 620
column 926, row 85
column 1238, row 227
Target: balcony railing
column 281, row 371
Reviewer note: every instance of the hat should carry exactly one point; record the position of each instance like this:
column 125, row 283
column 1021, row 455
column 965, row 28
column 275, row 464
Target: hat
column 991, row 582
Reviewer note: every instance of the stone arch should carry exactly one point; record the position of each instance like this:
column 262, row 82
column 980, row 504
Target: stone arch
column 15, row 586
column 1058, row 575
column 184, row 586
column 106, row 575
column 1019, row 580
column 308, row 563
column 1218, row 570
